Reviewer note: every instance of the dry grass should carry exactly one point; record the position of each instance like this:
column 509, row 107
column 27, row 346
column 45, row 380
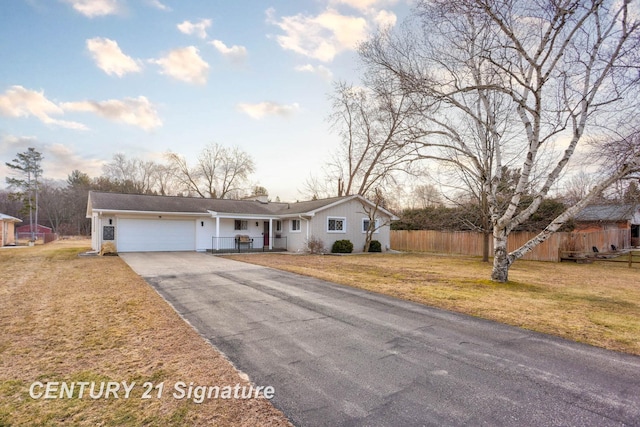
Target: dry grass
column 598, row 304
column 66, row 318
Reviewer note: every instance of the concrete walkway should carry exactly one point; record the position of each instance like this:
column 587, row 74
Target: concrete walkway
column 339, row 356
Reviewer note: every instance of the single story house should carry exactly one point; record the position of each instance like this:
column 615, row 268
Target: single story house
column 142, row 223
column 7, row 229
column 610, row 217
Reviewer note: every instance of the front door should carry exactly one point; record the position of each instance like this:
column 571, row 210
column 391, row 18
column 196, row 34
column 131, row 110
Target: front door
column 265, row 234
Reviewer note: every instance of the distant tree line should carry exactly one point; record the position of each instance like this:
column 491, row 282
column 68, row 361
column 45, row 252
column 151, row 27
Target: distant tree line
column 469, row 217
column 218, row 172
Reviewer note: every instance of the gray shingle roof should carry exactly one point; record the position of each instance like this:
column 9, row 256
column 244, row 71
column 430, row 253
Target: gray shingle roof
column 607, row 213
column 150, row 203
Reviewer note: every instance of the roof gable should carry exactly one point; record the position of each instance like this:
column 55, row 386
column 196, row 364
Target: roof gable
column 321, row 205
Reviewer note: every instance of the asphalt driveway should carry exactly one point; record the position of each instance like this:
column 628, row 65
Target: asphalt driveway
column 338, row 356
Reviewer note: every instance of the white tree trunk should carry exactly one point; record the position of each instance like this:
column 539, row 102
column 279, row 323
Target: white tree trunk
column 501, row 257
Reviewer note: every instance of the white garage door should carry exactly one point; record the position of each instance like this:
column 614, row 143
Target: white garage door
column 152, row 235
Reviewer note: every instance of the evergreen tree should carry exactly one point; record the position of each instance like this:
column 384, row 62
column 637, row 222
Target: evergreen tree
column 27, row 166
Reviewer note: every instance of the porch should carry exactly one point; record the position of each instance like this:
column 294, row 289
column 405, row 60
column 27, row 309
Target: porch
column 248, row 243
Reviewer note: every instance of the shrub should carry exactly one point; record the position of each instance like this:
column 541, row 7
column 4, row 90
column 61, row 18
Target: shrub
column 315, row 246
column 108, row 248
column 342, row 247
column 375, row 246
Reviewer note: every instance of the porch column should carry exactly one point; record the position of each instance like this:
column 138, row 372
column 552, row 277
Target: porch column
column 270, row 234
column 217, row 233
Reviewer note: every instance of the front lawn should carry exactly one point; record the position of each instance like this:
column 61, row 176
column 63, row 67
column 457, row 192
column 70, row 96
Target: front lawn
column 69, row 319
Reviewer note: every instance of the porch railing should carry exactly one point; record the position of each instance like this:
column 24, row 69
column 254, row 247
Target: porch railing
column 252, row 244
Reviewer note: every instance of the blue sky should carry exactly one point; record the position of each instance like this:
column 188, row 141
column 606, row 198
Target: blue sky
column 81, row 80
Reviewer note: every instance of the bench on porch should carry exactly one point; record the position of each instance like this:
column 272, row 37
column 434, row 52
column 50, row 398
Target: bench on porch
column 244, row 241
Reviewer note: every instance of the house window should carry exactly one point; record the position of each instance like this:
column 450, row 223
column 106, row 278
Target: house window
column 367, row 221
column 278, row 225
column 336, row 225
column 295, row 225
column 108, row 232
column 240, row 225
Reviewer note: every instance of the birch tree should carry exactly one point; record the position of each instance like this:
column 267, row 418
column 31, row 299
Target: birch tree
column 517, row 83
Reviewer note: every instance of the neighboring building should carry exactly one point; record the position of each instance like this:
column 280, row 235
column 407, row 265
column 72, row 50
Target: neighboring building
column 24, row 231
column 142, row 223
column 611, row 217
column 7, row 229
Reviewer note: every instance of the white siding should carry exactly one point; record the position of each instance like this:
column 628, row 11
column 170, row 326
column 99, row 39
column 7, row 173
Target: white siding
column 205, row 230
column 354, row 213
column 296, row 240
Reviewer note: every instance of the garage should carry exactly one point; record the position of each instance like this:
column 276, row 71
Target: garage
column 155, row 235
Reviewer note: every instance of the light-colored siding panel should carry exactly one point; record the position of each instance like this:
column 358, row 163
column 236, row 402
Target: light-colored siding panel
column 353, row 212
column 153, row 235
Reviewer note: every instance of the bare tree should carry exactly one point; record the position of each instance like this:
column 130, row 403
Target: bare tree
column 53, row 204
column 321, row 187
column 237, row 166
column 137, row 175
column 187, row 177
column 374, row 221
column 524, row 79
column 164, row 179
column 578, row 186
column 427, row 196
column 9, row 205
column 75, row 197
column 373, row 127
column 219, row 172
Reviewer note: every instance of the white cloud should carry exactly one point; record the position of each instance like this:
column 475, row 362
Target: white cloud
column 263, row 109
column 184, row 64
column 60, row 160
column 133, row 111
column 110, row 59
column 234, row 53
column 93, row 8
column 385, row 18
column 18, row 101
column 11, row 144
column 364, row 5
column 198, row 29
column 321, row 37
column 320, row 70
column 158, row 5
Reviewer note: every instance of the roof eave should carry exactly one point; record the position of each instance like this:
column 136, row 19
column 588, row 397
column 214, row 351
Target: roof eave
column 132, row 212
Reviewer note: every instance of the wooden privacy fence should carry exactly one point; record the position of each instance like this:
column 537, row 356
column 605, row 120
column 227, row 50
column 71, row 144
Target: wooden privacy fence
column 470, row 242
